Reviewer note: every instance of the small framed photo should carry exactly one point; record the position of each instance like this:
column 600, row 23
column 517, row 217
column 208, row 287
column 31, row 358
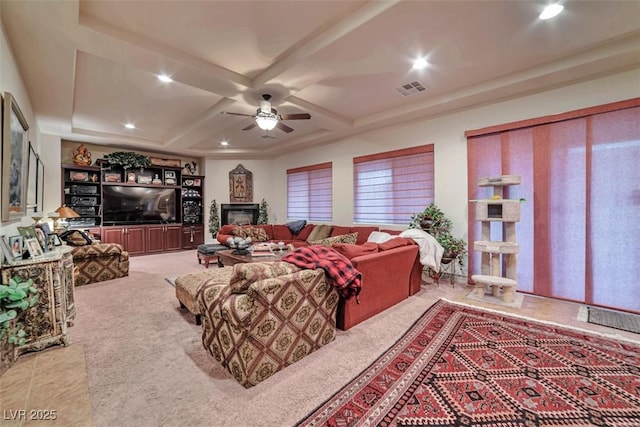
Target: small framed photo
column 53, row 238
column 78, row 176
column 143, row 179
column 34, row 248
column 6, row 250
column 197, row 182
column 42, row 238
column 28, row 232
column 131, row 177
column 15, row 243
column 45, row 227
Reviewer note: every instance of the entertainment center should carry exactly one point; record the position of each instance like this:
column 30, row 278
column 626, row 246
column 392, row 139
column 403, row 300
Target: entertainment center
column 146, row 210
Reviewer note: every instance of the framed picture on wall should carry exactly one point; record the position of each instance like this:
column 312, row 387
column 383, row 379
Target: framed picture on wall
column 15, row 151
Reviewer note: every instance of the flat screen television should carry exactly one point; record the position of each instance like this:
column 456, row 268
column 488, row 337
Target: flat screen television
column 122, row 205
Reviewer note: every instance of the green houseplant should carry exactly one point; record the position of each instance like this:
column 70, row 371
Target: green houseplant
column 128, row 159
column 263, row 213
column 214, row 219
column 15, row 299
column 434, row 221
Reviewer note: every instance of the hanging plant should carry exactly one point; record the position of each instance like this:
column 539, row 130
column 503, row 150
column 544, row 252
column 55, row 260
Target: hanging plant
column 214, row 219
column 128, row 159
column 263, row 214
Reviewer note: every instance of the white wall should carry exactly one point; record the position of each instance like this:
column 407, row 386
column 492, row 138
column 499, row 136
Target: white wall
column 11, row 81
column 217, row 185
column 447, row 134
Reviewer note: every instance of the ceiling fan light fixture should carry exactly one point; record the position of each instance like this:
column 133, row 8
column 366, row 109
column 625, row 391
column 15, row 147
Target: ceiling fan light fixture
column 266, row 121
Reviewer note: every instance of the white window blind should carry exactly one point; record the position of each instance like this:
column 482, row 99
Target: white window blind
column 390, row 187
column 309, row 193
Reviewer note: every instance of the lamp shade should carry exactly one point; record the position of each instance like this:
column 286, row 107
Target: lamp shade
column 266, row 121
column 66, row 212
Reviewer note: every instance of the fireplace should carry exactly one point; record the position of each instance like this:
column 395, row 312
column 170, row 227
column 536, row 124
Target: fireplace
column 239, row 213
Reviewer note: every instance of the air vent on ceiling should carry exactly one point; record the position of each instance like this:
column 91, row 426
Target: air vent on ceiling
column 411, row 88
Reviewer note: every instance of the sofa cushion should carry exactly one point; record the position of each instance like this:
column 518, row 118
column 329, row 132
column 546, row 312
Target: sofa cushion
column 352, row 251
column 339, row 230
column 303, row 234
column 296, row 226
column 363, row 233
column 257, row 234
column 245, row 274
column 379, row 237
column 395, row 242
column 281, row 232
column 319, row 232
column 329, row 241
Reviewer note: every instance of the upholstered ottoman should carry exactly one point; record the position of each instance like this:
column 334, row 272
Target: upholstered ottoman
column 99, row 262
column 187, row 287
column 207, row 253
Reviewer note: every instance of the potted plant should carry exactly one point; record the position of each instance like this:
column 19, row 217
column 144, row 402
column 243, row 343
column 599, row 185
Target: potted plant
column 263, row 214
column 214, row 219
column 15, row 299
column 434, row 221
column 128, row 159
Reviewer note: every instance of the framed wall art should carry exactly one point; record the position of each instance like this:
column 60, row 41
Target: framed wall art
column 240, row 185
column 15, row 151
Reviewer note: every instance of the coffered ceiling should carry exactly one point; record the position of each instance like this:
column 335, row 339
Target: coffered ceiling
column 92, row 66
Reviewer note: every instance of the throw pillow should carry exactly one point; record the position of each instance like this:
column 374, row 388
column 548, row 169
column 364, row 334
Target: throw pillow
column 319, row 232
column 257, row 234
column 296, row 226
column 247, row 273
column 352, row 251
column 329, row 241
column 379, row 237
column 239, row 232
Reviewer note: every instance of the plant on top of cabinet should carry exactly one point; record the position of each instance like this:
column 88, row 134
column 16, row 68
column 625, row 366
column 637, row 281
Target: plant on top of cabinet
column 128, row 159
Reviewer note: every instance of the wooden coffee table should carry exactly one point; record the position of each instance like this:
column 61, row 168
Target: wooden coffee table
column 228, row 258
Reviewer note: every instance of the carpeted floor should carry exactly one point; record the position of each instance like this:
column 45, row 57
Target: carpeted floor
column 147, row 367
column 462, row 365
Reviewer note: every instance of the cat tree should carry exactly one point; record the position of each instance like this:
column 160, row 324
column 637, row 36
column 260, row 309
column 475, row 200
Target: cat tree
column 499, row 258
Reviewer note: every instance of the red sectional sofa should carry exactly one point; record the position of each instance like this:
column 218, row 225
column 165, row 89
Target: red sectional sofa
column 391, row 271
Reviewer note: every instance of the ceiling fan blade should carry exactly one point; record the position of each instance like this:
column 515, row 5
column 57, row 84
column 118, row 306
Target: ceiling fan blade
column 284, row 127
column 299, row 116
column 251, row 126
column 236, row 114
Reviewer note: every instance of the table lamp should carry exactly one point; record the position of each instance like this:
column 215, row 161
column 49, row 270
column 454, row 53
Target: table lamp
column 60, row 224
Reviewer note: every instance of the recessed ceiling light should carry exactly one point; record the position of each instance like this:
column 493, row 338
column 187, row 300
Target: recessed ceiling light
column 224, row 143
column 165, row 78
column 420, row 64
column 551, row 11
column 130, row 126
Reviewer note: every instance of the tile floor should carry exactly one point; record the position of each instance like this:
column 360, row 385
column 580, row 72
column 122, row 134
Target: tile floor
column 56, row 379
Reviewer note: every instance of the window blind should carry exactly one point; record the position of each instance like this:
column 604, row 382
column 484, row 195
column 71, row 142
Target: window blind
column 310, row 193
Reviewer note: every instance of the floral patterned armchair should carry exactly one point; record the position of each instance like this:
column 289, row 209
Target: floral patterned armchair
column 267, row 317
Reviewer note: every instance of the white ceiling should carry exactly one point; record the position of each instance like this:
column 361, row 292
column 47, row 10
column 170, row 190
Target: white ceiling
column 91, row 66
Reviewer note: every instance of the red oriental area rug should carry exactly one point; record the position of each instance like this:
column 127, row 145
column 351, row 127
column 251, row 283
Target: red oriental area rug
column 465, row 366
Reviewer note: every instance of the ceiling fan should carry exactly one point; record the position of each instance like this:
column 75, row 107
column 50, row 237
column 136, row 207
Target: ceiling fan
column 268, row 118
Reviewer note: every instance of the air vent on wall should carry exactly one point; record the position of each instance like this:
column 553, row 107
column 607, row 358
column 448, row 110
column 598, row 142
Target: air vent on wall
column 411, row 88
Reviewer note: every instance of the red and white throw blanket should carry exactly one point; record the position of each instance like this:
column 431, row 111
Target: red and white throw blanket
column 341, row 274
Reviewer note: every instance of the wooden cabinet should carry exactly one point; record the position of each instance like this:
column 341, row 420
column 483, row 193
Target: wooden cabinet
column 46, row 322
column 132, row 238
column 192, row 199
column 81, row 191
column 162, row 238
column 192, row 236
